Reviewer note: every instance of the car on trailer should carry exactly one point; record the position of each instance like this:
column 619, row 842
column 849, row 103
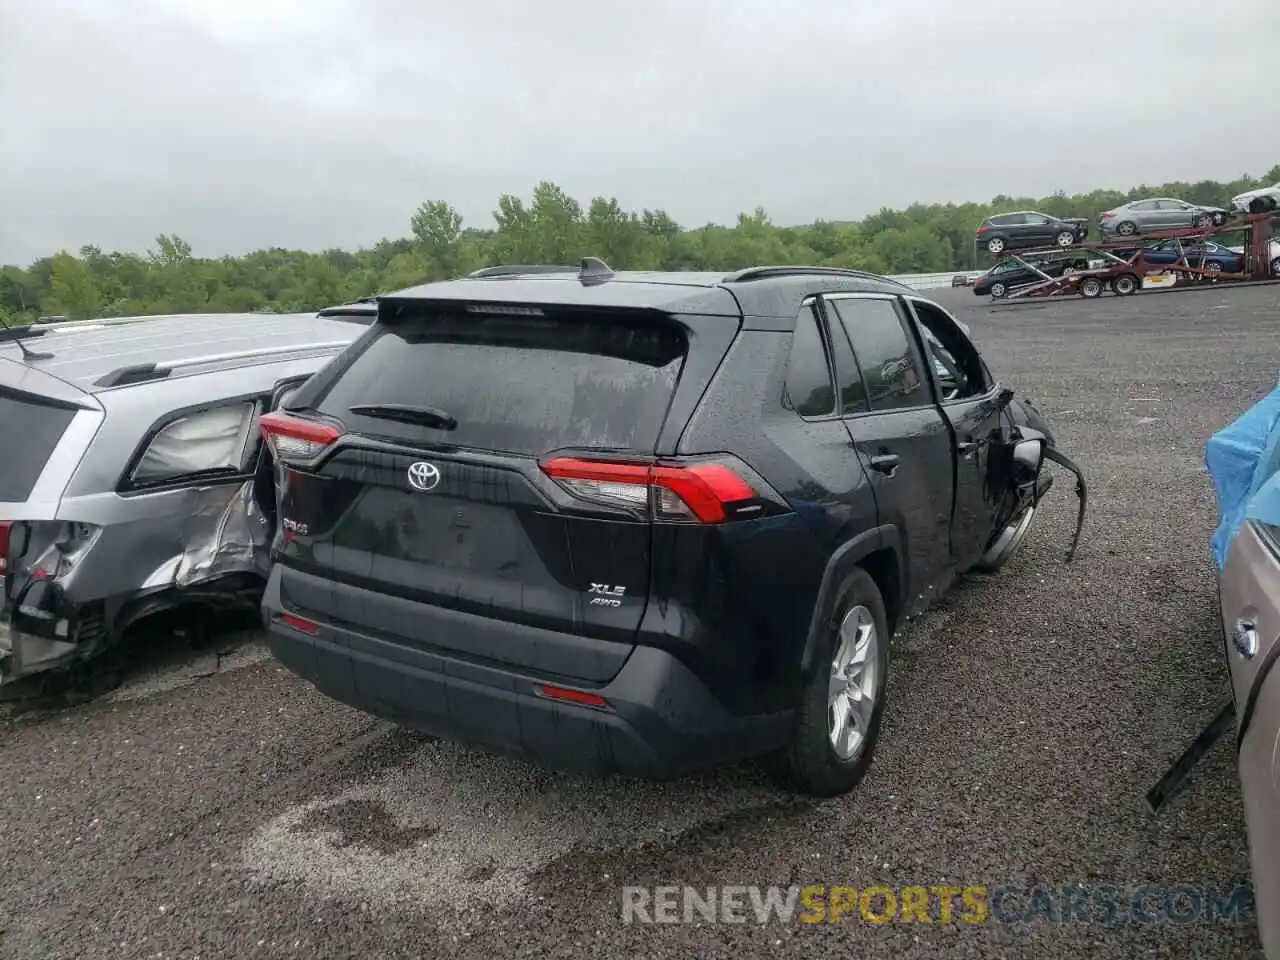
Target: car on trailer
column 1208, row 256
column 1158, row 213
column 1015, row 272
column 643, row 522
column 1262, row 200
column 1025, row 229
column 1198, row 258
column 134, row 481
column 1044, row 273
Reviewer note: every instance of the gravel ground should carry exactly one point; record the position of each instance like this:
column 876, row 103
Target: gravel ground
column 223, row 808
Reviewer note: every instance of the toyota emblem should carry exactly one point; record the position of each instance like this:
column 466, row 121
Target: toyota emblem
column 423, row 476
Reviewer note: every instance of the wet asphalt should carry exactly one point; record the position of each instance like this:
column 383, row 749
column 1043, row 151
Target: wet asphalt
column 224, row 809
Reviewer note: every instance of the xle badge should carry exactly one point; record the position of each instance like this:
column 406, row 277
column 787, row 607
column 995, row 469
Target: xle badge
column 606, row 594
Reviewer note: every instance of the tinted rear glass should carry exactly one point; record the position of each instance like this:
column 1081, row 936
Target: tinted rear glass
column 29, row 432
column 526, row 385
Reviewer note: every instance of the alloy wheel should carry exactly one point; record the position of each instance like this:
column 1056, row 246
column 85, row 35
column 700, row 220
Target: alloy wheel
column 851, row 690
column 1010, row 539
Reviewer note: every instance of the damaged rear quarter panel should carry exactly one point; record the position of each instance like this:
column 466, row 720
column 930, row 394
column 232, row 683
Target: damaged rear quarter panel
column 172, row 538
column 156, row 540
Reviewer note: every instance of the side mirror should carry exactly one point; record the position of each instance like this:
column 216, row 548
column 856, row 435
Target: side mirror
column 1028, row 457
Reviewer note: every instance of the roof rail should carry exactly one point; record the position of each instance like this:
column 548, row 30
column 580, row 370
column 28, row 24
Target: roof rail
column 518, row 269
column 97, row 324
column 142, row 372
column 766, row 273
column 364, row 307
column 134, row 373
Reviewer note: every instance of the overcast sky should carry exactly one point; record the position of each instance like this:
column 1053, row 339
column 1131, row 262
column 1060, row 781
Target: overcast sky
column 240, row 124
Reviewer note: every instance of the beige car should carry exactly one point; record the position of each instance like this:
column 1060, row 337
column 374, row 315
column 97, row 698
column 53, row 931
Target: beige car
column 1250, row 599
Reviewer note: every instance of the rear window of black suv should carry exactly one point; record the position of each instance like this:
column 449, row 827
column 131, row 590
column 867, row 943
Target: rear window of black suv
column 516, row 384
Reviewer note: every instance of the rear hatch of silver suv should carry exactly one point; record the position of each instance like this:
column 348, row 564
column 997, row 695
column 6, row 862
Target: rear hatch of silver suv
column 46, row 425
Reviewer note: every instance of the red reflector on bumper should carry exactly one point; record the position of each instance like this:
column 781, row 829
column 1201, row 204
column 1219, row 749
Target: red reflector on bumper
column 580, row 697
column 300, row 623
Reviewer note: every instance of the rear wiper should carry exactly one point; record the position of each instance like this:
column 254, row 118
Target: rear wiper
column 406, row 413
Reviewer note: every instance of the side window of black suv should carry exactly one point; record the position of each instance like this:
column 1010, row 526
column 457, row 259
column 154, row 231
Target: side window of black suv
column 809, row 389
column 890, row 364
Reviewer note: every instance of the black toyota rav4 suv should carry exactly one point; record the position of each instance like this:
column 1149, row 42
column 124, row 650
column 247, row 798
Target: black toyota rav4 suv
column 641, row 522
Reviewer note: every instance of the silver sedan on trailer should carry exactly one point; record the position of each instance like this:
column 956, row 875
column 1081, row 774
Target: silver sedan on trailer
column 1158, row 213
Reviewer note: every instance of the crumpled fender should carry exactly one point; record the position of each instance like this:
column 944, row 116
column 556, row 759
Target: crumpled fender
column 70, row 606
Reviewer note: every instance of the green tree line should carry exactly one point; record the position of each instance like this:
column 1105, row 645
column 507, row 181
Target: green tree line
column 548, row 227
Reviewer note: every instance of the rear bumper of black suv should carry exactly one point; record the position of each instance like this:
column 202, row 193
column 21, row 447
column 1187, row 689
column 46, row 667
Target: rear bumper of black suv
column 660, row 721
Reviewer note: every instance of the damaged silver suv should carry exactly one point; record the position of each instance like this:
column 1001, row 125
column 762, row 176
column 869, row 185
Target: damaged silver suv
column 132, row 476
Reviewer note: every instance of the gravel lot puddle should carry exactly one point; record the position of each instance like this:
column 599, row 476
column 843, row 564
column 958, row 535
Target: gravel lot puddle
column 468, row 831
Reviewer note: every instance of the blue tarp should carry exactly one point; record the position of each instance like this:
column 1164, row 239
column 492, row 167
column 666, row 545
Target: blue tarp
column 1243, row 459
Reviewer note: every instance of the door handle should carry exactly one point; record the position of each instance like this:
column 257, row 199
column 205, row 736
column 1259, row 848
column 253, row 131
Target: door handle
column 885, row 463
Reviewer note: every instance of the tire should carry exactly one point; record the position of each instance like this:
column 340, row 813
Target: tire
column 810, row 763
column 995, row 245
column 1211, row 270
column 1275, row 268
column 1006, row 543
column 1262, row 204
column 1066, row 238
column 998, row 290
column 1127, row 229
column 1090, row 287
column 1219, row 219
column 1125, row 285
column 1204, row 220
